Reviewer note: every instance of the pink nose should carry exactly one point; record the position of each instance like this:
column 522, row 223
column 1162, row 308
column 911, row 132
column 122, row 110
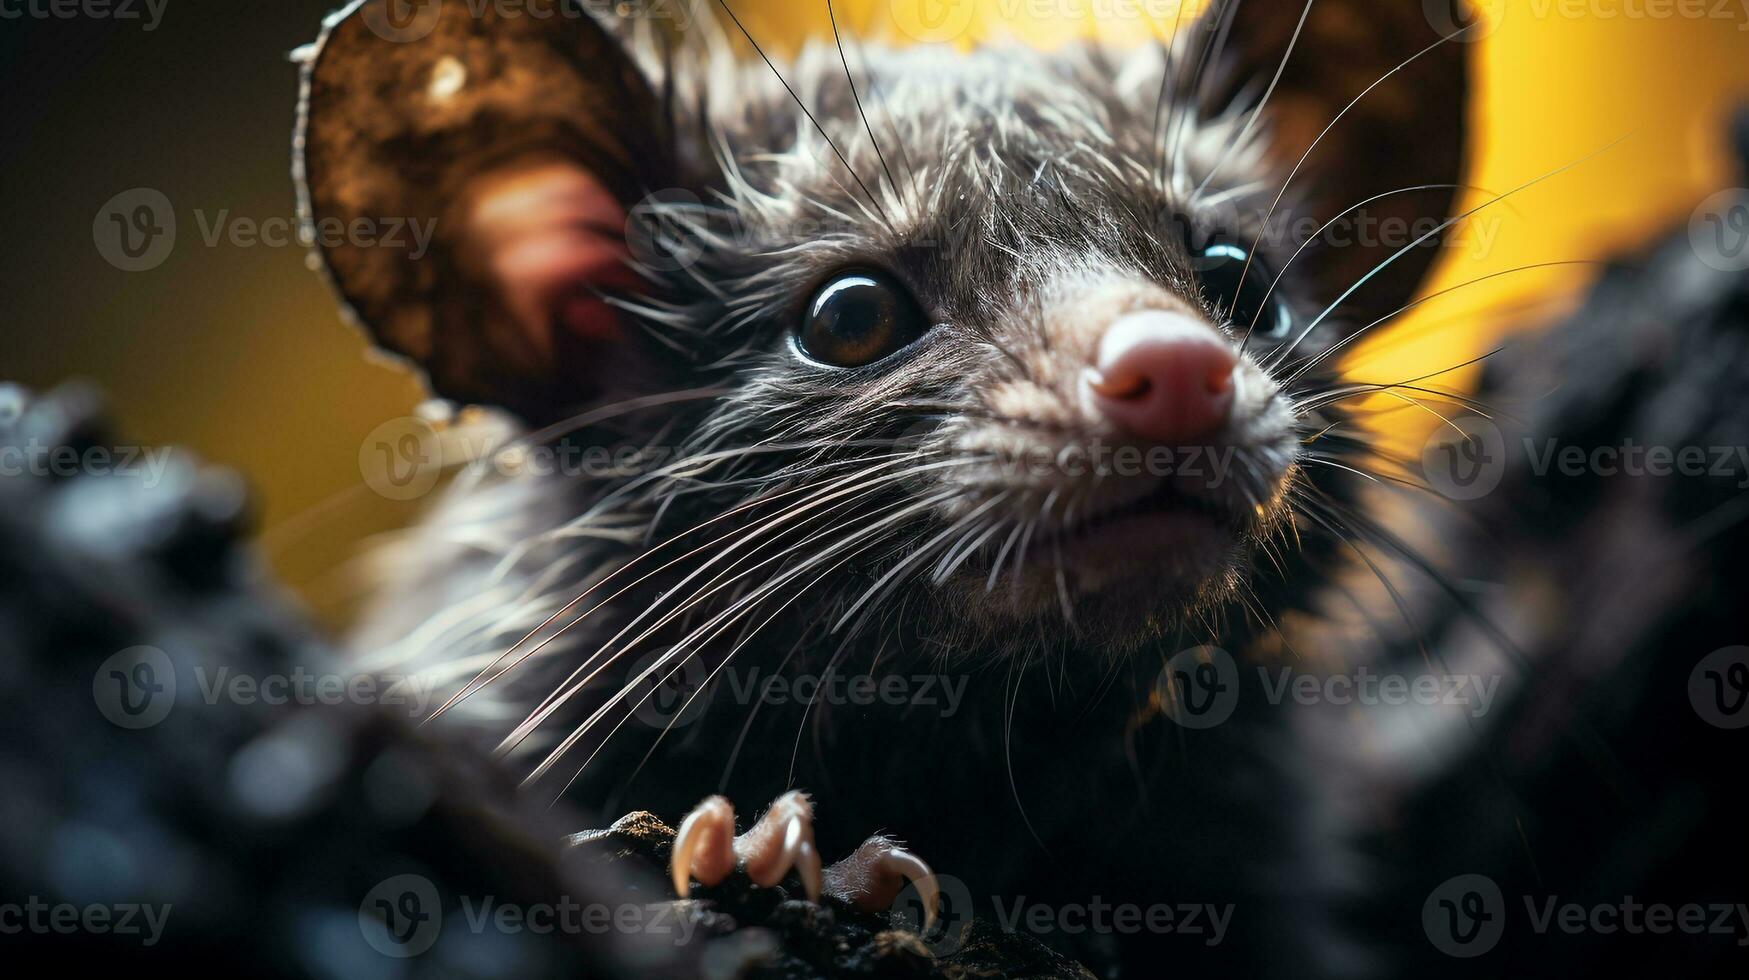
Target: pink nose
column 1164, row 377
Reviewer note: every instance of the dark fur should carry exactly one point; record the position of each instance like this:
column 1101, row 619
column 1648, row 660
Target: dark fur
column 1010, row 190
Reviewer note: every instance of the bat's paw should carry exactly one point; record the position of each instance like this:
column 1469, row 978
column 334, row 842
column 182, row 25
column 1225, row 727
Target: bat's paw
column 706, row 850
column 876, row 872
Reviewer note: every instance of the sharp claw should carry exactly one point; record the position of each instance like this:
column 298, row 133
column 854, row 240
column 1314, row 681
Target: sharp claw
column 796, row 833
column 872, row 878
column 680, row 862
column 782, row 840
column 808, row 867
column 776, row 842
column 695, row 853
column 913, row 869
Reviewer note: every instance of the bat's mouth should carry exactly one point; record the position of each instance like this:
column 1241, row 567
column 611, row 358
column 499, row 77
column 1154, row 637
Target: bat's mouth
column 1124, row 563
column 1176, row 538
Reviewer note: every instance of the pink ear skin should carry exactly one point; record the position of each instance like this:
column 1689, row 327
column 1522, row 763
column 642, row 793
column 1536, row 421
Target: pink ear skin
column 544, row 236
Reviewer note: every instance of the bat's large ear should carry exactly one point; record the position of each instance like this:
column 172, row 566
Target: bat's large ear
column 1407, row 130
column 465, row 175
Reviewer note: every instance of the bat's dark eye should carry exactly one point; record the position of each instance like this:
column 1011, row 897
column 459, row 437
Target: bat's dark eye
column 1243, row 295
column 858, row 318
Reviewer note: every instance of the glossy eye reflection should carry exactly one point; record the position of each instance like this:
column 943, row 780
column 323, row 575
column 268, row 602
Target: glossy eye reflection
column 1243, row 295
column 859, row 318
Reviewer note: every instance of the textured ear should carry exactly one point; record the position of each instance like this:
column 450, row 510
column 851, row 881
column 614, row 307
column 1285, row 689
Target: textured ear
column 506, row 148
column 1406, row 131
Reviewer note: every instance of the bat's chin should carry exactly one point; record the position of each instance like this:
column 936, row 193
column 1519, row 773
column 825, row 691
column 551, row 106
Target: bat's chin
column 1121, row 574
